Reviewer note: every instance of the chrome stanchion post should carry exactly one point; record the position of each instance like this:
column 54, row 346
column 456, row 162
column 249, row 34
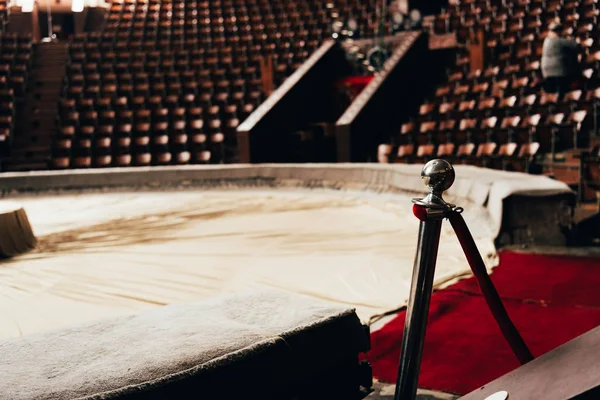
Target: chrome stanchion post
column 438, row 176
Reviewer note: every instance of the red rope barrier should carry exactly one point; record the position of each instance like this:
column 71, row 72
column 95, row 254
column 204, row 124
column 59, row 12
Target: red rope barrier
column 509, row 331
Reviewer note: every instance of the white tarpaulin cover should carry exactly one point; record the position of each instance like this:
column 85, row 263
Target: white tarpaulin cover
column 108, row 254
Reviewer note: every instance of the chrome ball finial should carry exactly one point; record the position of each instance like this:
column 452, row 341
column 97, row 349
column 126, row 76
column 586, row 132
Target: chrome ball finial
column 438, row 175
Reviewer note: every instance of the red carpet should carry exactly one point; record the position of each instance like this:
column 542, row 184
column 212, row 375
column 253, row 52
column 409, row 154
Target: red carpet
column 550, row 299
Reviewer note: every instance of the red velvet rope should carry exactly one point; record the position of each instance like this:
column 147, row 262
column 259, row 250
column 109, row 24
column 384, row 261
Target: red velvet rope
column 509, row 331
column 490, row 294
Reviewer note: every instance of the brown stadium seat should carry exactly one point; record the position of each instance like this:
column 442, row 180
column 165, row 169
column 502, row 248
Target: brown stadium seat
column 442, row 93
column 384, row 153
column 480, row 89
column 527, row 103
column 505, row 153
column 491, row 73
column 464, row 153
column 522, row 162
column 425, row 152
column 426, row 112
column 507, row 129
column 445, row 150
column 405, row 153
column 506, row 106
column 445, row 129
column 570, row 133
column 407, row 132
column 525, row 132
column 570, row 102
column 465, row 108
column 483, row 155
column 512, row 71
column 518, row 86
column 474, row 75
column 548, row 103
column 460, row 92
column 486, row 129
column 486, row 106
column 499, row 87
column 445, row 110
column 426, row 132
column 455, row 77
column 464, row 134
column 590, row 79
column 532, row 69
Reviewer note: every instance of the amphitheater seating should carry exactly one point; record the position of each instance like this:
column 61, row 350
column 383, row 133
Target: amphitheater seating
column 505, row 102
column 15, row 60
column 168, row 81
column 506, row 158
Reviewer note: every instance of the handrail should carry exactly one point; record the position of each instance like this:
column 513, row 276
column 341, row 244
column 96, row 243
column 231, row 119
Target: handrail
column 284, row 88
column 363, row 98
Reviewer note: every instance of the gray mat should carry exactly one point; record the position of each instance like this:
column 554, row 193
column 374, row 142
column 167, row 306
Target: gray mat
column 134, row 353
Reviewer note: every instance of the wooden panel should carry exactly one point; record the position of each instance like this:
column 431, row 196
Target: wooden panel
column 477, row 48
column 564, row 373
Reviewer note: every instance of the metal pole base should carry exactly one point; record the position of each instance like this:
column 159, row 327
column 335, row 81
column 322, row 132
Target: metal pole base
column 418, row 308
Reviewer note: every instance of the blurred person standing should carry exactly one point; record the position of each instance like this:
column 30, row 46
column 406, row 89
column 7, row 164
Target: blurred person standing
column 560, row 63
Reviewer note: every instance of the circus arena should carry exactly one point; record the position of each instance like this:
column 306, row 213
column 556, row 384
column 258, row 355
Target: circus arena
column 306, row 200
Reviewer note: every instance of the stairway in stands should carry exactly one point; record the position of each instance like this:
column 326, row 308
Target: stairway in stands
column 37, row 125
column 95, row 19
column 19, row 22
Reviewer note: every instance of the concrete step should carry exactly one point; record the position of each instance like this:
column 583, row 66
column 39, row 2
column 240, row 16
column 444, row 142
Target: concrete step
column 32, row 148
column 41, row 131
column 45, row 82
column 31, row 152
column 33, row 130
column 41, row 143
column 45, row 48
column 48, row 97
column 42, row 110
column 54, row 62
column 32, row 145
column 26, row 166
column 53, row 91
column 49, row 54
column 41, row 68
column 45, row 113
column 41, row 50
column 26, row 163
column 50, row 83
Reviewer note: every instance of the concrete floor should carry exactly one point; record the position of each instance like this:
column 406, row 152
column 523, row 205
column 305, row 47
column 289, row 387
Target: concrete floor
column 384, row 391
column 590, row 251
